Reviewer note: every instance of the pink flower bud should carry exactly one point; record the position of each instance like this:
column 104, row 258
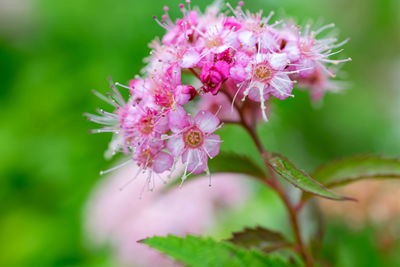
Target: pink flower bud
column 213, row 76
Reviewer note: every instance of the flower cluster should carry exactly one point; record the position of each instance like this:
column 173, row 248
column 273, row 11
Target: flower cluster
column 239, row 59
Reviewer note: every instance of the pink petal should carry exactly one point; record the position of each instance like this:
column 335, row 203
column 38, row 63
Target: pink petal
column 292, row 51
column 196, row 160
column 182, row 94
column 242, row 58
column 206, row 121
column 177, row 119
column 211, row 145
column 238, row 73
column 162, row 162
column 190, row 59
column 176, row 145
column 223, row 68
column 254, row 93
column 281, row 86
column 161, row 125
column 308, row 65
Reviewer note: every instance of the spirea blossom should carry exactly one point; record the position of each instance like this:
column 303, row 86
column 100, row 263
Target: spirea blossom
column 240, row 59
column 119, row 219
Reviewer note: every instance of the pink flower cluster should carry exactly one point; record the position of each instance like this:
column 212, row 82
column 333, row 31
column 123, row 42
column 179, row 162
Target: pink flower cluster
column 240, row 55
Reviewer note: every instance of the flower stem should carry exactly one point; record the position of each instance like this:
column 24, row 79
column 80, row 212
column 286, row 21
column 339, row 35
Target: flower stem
column 274, row 183
column 295, row 224
column 194, row 73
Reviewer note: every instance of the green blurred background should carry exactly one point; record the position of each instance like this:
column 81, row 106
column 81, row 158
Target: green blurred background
column 52, row 53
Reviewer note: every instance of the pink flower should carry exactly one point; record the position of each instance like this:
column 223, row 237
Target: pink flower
column 181, row 30
column 317, row 52
column 195, row 141
column 141, row 125
column 152, row 157
column 118, row 219
column 318, row 82
column 213, row 76
column 266, row 76
column 226, row 55
column 167, row 90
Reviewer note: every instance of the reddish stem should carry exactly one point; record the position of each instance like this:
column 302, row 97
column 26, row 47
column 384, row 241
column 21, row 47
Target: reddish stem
column 274, row 183
column 194, row 73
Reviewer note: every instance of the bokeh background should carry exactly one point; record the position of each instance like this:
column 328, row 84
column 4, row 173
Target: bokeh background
column 52, row 53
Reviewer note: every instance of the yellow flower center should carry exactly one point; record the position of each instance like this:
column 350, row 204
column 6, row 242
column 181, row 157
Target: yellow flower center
column 193, row 138
column 262, row 72
column 214, row 42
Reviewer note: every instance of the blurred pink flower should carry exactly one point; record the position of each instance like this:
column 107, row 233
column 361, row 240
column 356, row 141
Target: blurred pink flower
column 120, row 218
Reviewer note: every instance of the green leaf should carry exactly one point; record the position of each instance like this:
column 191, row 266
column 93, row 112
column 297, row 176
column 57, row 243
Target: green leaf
column 260, row 238
column 228, row 162
column 199, row 252
column 235, row 163
column 300, row 179
column 351, row 169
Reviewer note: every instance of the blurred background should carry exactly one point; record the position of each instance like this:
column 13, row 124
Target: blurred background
column 52, row 53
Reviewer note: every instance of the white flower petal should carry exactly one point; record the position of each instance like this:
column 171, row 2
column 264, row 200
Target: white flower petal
column 247, row 38
column 278, row 61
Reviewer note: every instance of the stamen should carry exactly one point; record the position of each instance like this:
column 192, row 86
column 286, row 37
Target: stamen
column 341, row 43
column 324, row 28
column 269, row 17
column 231, row 8
column 123, row 86
column 160, row 23
column 115, row 168
column 188, row 3
column 103, row 130
column 264, row 115
column 236, row 94
column 130, row 180
column 102, row 97
column 209, row 176
column 336, row 61
column 186, row 166
column 333, row 53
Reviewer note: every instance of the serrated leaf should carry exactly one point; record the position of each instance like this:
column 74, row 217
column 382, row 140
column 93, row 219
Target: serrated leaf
column 351, row 169
column 300, row 179
column 260, row 238
column 199, row 252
